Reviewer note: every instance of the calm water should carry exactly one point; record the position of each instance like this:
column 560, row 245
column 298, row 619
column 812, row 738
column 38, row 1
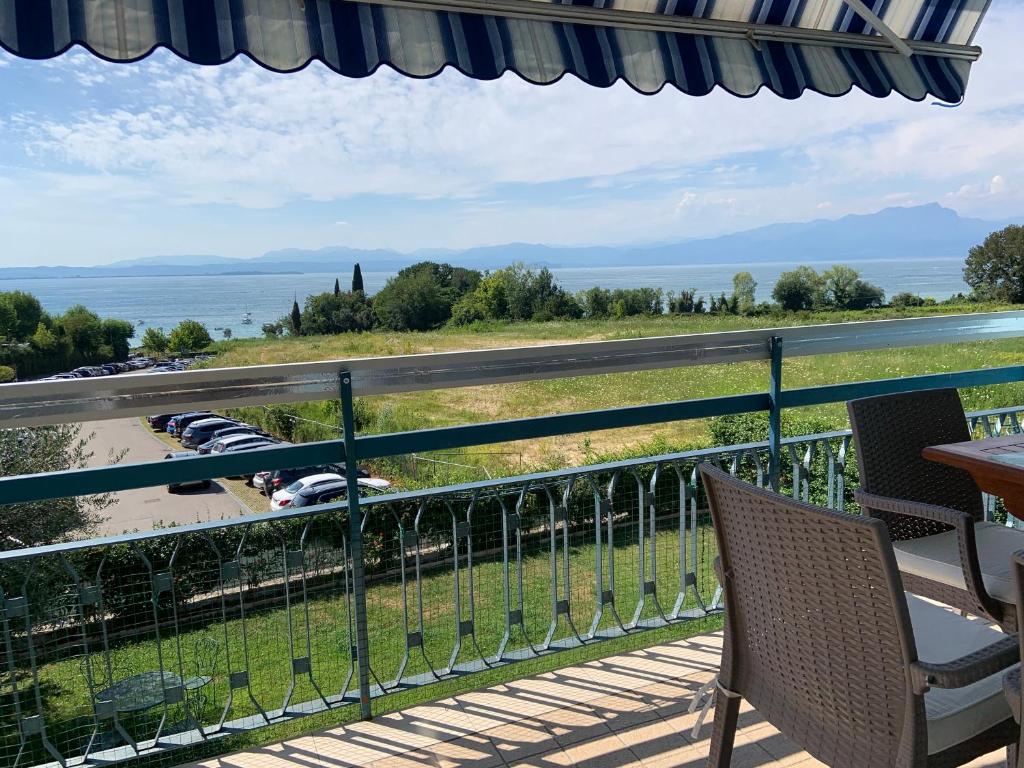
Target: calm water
column 222, row 301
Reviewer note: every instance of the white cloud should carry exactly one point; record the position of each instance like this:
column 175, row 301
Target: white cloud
column 181, row 149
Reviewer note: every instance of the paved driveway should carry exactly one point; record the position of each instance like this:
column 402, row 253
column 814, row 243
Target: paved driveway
column 140, row 509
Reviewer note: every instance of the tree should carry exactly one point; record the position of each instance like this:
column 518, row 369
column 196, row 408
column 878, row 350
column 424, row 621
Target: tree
column 843, row 289
column 189, row 336
column 337, row 313
column 421, row 297
column 995, row 269
column 48, row 449
column 116, row 334
column 906, row 299
column 8, row 320
column 864, row 295
column 337, row 287
column 273, row 330
column 798, row 289
column 83, row 328
column 744, row 290
column 27, row 314
column 43, row 339
column 357, row 279
column 839, row 281
column 596, row 302
column 226, row 333
column 155, row 341
column 295, row 319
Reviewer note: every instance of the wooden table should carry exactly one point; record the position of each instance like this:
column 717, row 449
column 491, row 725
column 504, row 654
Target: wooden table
column 1003, row 477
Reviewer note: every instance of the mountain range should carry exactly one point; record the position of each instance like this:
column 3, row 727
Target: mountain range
column 914, row 232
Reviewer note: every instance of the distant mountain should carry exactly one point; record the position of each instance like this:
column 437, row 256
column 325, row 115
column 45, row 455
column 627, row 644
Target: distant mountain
column 924, row 231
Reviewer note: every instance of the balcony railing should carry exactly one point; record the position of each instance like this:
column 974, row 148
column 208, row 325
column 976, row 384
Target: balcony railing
column 132, row 645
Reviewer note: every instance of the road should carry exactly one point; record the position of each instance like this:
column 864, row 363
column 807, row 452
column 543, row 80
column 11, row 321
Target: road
column 141, row 509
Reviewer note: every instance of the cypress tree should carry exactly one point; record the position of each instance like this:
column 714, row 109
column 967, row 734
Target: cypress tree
column 296, row 319
column 357, row 278
column 337, row 287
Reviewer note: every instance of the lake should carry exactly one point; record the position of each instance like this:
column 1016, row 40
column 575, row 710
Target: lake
column 221, row 301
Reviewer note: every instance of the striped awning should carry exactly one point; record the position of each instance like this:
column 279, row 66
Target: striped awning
column 914, row 47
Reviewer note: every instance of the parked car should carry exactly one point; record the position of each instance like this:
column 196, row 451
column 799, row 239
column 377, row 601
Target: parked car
column 216, row 439
column 325, row 493
column 257, row 444
column 159, row 421
column 176, row 487
column 179, row 423
column 284, row 497
column 198, row 432
column 239, row 428
column 271, row 481
column 110, row 369
column 234, row 443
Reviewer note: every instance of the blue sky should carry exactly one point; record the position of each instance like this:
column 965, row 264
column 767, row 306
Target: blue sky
column 101, row 162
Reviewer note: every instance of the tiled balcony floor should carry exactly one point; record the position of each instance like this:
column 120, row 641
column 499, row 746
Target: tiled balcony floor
column 628, row 710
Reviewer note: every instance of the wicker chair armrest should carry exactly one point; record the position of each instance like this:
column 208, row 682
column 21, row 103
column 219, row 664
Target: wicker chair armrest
column 963, row 524
column 952, row 517
column 967, row 669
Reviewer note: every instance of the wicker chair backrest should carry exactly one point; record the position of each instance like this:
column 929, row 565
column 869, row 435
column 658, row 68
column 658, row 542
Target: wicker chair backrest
column 889, row 433
column 818, row 635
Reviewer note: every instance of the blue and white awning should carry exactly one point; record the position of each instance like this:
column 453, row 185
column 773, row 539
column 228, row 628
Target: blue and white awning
column 914, row 47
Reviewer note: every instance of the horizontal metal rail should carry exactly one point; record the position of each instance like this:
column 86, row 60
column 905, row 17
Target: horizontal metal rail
column 56, row 402
column 44, row 486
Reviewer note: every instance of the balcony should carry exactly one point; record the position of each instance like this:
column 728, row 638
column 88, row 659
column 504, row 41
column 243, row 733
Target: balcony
column 591, row 586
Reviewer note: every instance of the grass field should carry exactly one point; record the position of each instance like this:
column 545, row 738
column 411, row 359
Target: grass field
column 504, row 401
column 273, row 635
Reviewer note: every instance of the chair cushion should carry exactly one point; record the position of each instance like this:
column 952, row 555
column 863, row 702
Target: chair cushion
column 956, row 714
column 937, row 558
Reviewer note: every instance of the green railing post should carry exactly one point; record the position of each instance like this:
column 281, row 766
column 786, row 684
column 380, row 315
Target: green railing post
column 355, row 525
column 775, row 413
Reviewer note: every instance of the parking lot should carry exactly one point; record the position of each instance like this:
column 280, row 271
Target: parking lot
column 143, row 508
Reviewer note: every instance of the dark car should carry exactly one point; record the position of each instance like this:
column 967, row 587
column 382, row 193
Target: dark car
column 269, row 482
column 110, row 369
column 238, row 429
column 198, row 432
column 159, row 421
column 180, row 423
column 176, row 487
column 321, row 493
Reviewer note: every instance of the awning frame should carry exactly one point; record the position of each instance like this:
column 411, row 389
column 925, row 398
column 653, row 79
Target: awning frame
column 531, row 10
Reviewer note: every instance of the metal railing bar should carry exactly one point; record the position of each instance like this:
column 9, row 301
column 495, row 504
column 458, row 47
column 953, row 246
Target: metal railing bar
column 45, row 486
column 55, row 402
column 118, row 477
column 834, row 393
column 476, row 486
column 445, row 438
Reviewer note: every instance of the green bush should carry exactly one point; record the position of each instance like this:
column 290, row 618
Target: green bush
column 6, row 374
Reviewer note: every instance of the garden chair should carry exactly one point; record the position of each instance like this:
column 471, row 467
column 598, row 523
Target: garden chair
column 822, row 641
column 1012, row 679
column 934, row 513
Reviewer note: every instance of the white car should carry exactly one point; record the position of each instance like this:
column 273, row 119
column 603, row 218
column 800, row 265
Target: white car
column 284, row 497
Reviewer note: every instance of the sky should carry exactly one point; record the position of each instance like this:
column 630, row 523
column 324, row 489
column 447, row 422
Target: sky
column 101, row 162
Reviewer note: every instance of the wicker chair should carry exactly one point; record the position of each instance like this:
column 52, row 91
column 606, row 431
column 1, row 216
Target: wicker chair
column 821, row 639
column 1012, row 680
column 934, row 514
